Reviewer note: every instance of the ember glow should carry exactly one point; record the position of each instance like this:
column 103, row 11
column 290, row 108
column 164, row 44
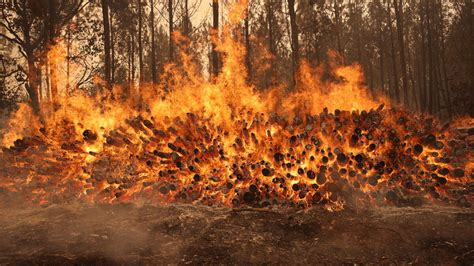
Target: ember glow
column 221, row 142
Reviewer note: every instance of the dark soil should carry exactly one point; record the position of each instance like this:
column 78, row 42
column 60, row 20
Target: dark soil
column 187, row 234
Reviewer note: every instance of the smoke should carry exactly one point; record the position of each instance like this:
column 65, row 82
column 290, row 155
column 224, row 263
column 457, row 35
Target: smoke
column 82, row 232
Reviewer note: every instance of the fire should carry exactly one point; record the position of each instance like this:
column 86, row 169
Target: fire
column 222, row 142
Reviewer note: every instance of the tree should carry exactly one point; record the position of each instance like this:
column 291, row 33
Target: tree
column 294, row 39
column 398, row 5
column 338, row 9
column 248, row 63
column 25, row 23
column 215, row 28
column 106, row 36
column 140, row 44
column 153, row 50
column 393, row 55
column 170, row 24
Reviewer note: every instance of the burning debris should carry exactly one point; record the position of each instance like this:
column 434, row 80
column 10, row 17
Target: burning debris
column 385, row 157
column 223, row 142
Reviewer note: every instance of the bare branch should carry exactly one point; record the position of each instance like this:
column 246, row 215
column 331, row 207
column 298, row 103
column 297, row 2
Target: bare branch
column 11, row 39
column 11, row 73
column 9, row 27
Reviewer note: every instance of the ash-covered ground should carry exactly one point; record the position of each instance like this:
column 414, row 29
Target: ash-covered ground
column 189, row 234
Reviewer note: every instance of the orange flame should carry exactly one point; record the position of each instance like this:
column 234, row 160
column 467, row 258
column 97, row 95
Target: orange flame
column 198, row 134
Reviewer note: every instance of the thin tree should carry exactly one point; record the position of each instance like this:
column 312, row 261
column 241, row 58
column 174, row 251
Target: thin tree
column 140, row 44
column 170, row 24
column 248, row 63
column 51, row 33
column 294, row 39
column 106, row 36
column 113, row 63
column 153, row 49
column 380, row 40
column 271, row 45
column 186, row 22
column 401, row 43
column 431, row 93
column 215, row 28
column 424, row 90
column 337, row 28
column 394, row 54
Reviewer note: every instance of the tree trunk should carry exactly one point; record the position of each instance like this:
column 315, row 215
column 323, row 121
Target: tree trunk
column 337, row 23
column 316, row 45
column 186, row 19
column 32, row 86
column 294, row 39
column 105, row 18
column 419, row 81
column 153, row 52
column 424, row 91
column 129, row 64
column 132, row 59
column 381, row 49
column 248, row 63
column 68, row 60
column 401, row 44
column 48, row 83
column 215, row 27
column 471, row 51
column 40, row 85
column 443, row 62
column 270, row 41
column 140, row 46
column 171, row 44
column 112, row 50
column 394, row 54
column 412, row 79
column 430, row 60
column 50, row 42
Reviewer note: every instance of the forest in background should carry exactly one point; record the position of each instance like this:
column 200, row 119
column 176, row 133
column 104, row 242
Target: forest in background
column 417, row 53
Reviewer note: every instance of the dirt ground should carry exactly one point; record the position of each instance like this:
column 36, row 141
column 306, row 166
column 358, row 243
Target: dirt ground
column 186, row 234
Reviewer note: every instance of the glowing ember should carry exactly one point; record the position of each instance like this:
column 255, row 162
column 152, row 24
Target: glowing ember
column 379, row 156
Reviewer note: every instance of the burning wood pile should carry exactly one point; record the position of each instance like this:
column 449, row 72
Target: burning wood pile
column 381, row 156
